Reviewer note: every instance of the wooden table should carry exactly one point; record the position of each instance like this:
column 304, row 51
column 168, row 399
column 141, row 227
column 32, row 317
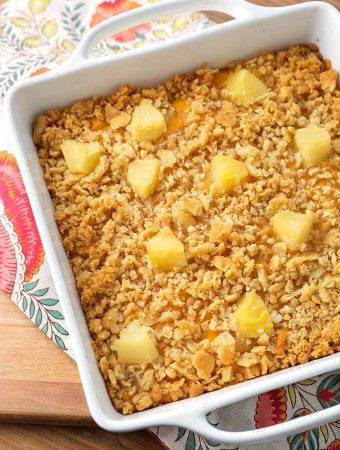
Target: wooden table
column 39, row 384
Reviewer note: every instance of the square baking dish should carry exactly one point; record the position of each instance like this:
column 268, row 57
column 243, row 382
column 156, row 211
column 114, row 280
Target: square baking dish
column 253, row 29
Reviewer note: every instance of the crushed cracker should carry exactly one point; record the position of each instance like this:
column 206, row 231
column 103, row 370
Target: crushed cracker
column 228, row 240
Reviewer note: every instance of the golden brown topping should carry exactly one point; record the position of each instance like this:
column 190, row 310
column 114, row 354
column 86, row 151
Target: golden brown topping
column 142, row 401
column 229, row 240
column 204, row 364
column 222, row 262
column 121, row 120
column 182, row 219
column 195, row 389
column 192, row 205
column 98, row 124
column 220, row 229
column 224, row 345
column 226, row 115
column 281, row 341
column 328, row 80
column 248, row 359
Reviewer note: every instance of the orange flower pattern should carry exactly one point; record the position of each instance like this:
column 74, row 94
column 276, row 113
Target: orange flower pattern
column 335, row 445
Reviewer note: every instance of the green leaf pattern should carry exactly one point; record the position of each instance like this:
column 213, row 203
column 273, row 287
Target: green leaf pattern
column 304, row 441
column 191, row 441
column 292, row 395
column 181, row 433
column 32, row 38
column 44, row 312
column 325, row 432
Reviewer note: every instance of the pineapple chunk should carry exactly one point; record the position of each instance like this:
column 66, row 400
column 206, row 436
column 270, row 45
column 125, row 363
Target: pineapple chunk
column 226, row 172
column 245, row 86
column 314, row 144
column 143, row 176
column 135, row 345
column 147, row 123
column 293, row 228
column 81, row 157
column 166, row 251
column 252, row 316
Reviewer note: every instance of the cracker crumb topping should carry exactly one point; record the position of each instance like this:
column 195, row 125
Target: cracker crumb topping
column 227, row 241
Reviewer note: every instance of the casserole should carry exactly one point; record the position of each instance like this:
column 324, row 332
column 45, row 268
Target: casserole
column 254, row 28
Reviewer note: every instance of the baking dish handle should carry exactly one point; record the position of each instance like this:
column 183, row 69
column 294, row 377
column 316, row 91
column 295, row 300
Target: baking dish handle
column 239, row 9
column 201, row 425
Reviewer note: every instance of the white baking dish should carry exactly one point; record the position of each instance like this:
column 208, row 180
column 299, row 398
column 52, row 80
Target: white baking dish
column 253, row 29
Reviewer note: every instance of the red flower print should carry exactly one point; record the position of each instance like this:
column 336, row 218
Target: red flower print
column 327, row 395
column 335, row 445
column 329, row 391
column 271, row 408
column 18, row 210
column 108, row 9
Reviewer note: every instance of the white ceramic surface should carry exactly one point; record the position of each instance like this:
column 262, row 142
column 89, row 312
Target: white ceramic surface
column 253, row 29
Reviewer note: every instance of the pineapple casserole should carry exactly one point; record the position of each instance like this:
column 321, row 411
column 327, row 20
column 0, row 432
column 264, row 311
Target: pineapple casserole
column 201, row 220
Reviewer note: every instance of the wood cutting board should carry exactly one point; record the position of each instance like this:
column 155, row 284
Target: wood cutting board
column 38, row 382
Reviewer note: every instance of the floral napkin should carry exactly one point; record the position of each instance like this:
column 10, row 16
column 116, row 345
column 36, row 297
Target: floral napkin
column 36, row 36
